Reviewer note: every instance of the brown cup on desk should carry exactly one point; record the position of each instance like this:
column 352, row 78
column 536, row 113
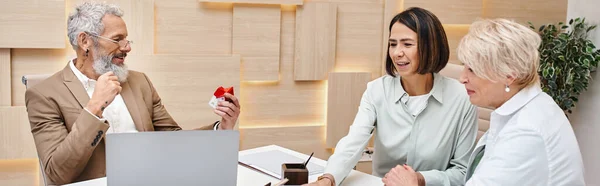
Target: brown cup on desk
column 296, row 173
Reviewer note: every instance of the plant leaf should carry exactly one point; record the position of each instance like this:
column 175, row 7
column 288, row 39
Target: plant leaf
column 590, row 28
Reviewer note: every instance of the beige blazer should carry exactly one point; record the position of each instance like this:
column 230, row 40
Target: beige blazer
column 69, row 140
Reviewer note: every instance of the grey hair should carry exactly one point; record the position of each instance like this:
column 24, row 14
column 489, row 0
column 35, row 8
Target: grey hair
column 88, row 18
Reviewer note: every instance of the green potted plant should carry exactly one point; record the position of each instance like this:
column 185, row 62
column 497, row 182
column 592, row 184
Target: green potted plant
column 567, row 57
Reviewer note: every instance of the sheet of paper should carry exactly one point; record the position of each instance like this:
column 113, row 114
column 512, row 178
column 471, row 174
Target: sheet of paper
column 270, row 162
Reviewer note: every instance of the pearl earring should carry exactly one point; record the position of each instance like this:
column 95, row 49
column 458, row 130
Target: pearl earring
column 507, row 89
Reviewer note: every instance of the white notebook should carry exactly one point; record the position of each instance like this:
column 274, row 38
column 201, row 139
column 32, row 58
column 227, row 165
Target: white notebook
column 269, row 162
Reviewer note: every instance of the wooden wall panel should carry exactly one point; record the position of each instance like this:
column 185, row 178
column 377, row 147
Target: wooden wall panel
column 316, row 25
column 141, row 26
column 186, row 93
column 286, row 102
column 256, row 38
column 359, row 36
column 191, row 27
column 274, row 2
column 450, row 11
column 5, row 92
column 16, row 140
column 304, row 139
column 33, row 24
column 350, row 1
column 22, row 172
column 536, row 11
column 34, row 61
column 455, row 33
column 343, row 98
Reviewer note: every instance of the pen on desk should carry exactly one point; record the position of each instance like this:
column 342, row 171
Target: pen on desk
column 306, row 163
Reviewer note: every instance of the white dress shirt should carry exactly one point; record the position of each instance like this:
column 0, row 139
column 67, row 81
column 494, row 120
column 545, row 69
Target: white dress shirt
column 435, row 135
column 116, row 113
column 529, row 142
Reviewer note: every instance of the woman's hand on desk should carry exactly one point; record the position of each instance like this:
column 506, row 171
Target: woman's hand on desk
column 229, row 111
column 401, row 176
column 325, row 180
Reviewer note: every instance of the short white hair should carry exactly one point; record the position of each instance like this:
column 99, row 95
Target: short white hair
column 88, row 18
column 498, row 48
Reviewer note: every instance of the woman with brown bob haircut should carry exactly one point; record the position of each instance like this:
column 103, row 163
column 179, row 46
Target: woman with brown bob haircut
column 424, row 120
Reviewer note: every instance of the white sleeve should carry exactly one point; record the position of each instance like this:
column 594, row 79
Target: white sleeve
column 101, row 119
column 349, row 149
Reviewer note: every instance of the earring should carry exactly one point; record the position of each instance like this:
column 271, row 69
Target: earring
column 86, row 52
column 507, row 89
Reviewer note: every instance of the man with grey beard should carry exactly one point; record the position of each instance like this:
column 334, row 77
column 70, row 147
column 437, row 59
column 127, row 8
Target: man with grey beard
column 71, row 111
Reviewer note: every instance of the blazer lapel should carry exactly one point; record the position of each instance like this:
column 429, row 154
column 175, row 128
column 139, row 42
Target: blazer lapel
column 132, row 106
column 75, row 86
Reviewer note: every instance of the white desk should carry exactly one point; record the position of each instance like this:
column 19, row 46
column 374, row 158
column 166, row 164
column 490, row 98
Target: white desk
column 252, row 178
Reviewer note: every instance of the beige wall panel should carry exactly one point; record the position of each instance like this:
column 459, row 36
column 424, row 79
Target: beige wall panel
column 260, row 68
column 141, row 27
column 192, row 27
column 34, row 61
column 286, row 102
column 304, row 139
column 256, row 38
column 187, row 82
column 16, row 140
column 455, row 33
column 316, row 25
column 536, row 11
column 343, row 98
column 450, row 11
column 22, row 172
column 351, row 1
column 5, row 92
column 274, row 2
column 359, row 36
column 32, row 24
column 391, row 8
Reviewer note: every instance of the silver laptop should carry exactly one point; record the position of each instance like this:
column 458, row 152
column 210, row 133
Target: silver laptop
column 172, row 158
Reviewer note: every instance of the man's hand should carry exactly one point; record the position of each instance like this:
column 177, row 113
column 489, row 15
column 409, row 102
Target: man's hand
column 107, row 88
column 401, row 176
column 229, row 111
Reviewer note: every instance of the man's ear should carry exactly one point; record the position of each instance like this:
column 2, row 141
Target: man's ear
column 83, row 41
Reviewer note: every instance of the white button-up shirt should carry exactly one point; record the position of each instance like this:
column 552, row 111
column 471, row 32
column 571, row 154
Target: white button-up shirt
column 530, row 142
column 116, row 113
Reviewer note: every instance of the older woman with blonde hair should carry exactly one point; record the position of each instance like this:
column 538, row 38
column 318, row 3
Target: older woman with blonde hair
column 530, row 141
